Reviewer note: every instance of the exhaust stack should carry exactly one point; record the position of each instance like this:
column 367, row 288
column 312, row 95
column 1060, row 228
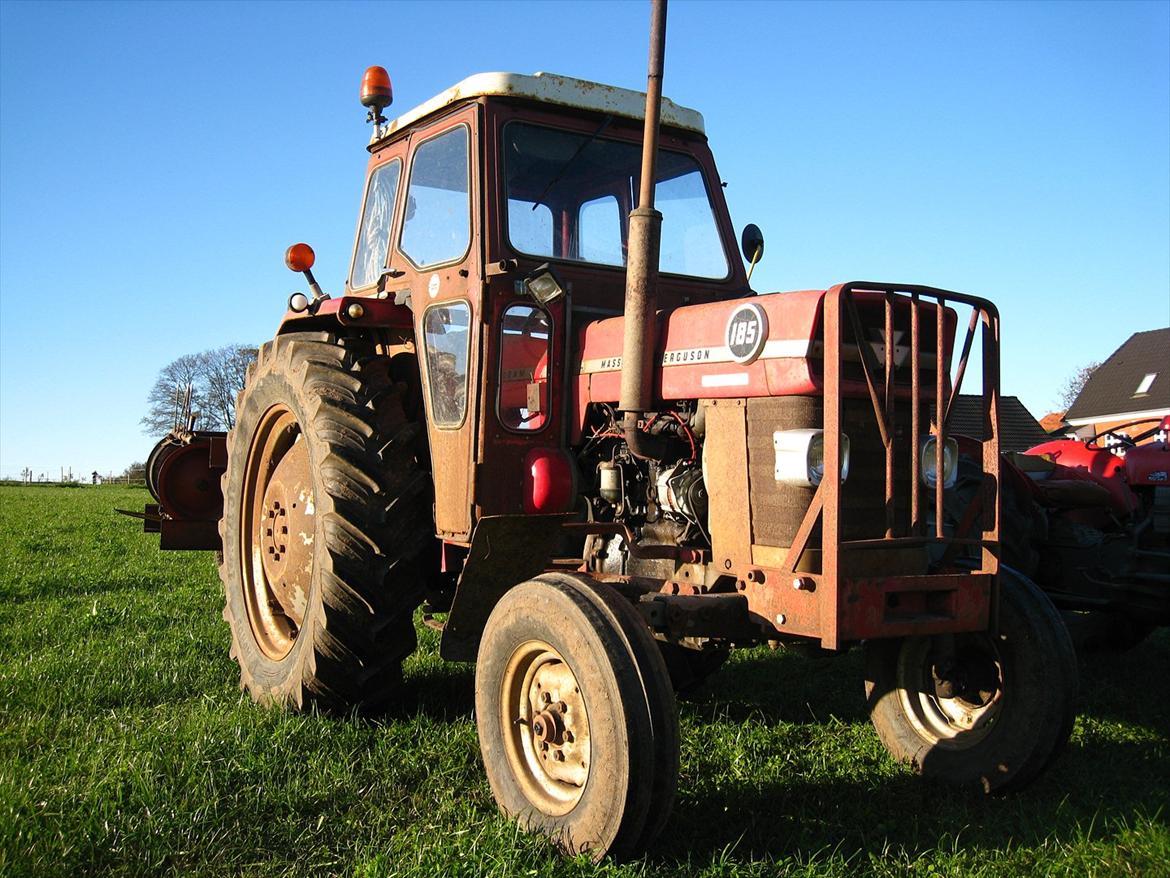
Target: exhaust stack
column 640, row 337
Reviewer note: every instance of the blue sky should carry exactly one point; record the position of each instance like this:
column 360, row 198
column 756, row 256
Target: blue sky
column 157, row 158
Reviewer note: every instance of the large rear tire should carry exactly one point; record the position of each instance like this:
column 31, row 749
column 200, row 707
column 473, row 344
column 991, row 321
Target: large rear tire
column 992, row 711
column 575, row 732
column 324, row 510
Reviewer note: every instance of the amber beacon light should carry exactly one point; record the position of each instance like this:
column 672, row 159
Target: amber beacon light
column 377, row 93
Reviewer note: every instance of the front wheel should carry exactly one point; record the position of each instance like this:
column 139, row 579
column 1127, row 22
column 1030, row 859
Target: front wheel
column 576, row 719
column 972, row 708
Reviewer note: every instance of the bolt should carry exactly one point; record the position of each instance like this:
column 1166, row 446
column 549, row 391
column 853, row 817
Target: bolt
column 780, row 618
column 538, row 727
column 804, row 583
column 755, row 576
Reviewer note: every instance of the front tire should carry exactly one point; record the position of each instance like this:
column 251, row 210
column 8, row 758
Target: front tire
column 978, row 709
column 577, row 740
column 324, row 508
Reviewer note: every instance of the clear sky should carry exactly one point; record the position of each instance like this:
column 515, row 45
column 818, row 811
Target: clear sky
column 157, row 158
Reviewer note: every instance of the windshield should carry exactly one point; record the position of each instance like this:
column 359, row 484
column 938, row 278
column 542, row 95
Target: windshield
column 570, row 195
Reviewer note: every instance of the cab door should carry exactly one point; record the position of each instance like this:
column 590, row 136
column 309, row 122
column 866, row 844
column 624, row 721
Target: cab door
column 436, row 261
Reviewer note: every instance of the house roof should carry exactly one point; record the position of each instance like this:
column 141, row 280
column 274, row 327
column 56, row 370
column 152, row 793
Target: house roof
column 1018, row 429
column 549, row 88
column 1112, row 388
column 1053, row 422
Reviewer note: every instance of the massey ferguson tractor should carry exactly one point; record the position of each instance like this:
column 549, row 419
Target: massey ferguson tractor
column 549, row 407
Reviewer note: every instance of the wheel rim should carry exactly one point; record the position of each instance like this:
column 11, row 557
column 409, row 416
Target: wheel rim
column 276, row 536
column 953, row 701
column 546, row 727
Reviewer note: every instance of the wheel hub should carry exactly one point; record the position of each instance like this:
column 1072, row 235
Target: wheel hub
column 278, row 532
column 952, row 700
column 546, row 725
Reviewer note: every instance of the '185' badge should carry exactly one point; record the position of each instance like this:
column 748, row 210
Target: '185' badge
column 747, row 332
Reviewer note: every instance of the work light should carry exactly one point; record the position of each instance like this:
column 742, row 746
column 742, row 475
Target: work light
column 800, row 457
column 950, row 461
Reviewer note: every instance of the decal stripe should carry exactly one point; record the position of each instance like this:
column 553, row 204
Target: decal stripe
column 774, row 349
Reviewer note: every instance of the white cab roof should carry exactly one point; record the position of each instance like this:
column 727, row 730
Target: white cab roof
column 549, row 88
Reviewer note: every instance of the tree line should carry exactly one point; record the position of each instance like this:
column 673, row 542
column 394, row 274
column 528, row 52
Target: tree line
column 204, row 385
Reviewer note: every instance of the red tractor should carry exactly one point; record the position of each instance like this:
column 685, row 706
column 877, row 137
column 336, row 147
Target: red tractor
column 1093, row 525
column 549, row 406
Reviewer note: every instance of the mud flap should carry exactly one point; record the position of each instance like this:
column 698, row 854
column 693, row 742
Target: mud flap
column 505, row 551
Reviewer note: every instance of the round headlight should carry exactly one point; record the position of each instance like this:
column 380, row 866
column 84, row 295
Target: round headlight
column 929, row 462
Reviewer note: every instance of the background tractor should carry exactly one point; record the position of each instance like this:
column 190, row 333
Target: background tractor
column 1093, row 519
column 549, row 406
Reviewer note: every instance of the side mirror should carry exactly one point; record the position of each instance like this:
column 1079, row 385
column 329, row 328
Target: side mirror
column 752, row 244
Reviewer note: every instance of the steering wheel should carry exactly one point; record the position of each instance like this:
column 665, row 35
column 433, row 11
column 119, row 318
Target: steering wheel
column 1127, row 441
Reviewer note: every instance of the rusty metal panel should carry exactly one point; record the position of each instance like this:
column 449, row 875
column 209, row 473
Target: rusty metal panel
column 175, row 534
column 725, row 459
column 901, row 606
column 505, row 550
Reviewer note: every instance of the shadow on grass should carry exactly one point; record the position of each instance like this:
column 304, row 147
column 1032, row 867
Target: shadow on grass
column 1098, row 780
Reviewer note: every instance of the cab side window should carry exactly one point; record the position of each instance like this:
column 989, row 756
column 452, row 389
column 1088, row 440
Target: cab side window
column 446, row 337
column 438, row 209
column 525, row 351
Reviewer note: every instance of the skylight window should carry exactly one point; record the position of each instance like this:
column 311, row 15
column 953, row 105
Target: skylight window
column 1144, row 387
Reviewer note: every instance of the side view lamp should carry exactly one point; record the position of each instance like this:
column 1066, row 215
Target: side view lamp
column 752, row 244
column 800, row 457
column 377, row 93
column 543, row 285
column 300, row 257
column 950, row 461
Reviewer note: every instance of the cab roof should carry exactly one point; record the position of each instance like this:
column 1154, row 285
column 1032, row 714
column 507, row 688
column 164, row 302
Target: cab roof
column 548, row 88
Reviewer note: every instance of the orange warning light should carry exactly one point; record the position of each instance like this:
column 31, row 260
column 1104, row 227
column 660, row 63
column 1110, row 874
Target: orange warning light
column 299, row 257
column 376, row 89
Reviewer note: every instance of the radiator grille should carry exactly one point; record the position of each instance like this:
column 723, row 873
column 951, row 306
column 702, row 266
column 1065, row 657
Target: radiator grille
column 777, row 510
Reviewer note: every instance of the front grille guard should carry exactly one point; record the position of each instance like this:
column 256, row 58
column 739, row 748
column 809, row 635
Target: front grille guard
column 840, row 311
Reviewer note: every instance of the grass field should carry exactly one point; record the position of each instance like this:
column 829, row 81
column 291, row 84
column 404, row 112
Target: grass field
column 127, row 748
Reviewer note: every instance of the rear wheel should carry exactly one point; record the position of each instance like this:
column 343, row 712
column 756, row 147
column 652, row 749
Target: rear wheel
column 324, row 509
column 972, row 708
column 573, row 728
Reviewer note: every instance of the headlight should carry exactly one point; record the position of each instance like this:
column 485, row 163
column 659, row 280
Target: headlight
column 800, row 457
column 950, row 462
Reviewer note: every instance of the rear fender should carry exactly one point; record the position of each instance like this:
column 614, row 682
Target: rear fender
column 356, row 311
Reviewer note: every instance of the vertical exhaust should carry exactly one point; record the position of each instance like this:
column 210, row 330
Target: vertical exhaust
column 640, row 337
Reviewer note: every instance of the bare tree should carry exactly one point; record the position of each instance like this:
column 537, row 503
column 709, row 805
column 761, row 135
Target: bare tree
column 223, row 374
column 210, row 380
column 1075, row 383
column 164, row 403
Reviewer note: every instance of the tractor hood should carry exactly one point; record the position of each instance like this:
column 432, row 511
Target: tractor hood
column 767, row 345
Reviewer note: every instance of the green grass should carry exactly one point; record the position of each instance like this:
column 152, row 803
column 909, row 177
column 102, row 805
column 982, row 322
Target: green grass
column 127, row 748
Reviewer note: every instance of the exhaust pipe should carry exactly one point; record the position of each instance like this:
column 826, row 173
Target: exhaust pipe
column 640, row 338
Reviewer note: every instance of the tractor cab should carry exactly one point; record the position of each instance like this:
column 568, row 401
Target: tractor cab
column 478, row 196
